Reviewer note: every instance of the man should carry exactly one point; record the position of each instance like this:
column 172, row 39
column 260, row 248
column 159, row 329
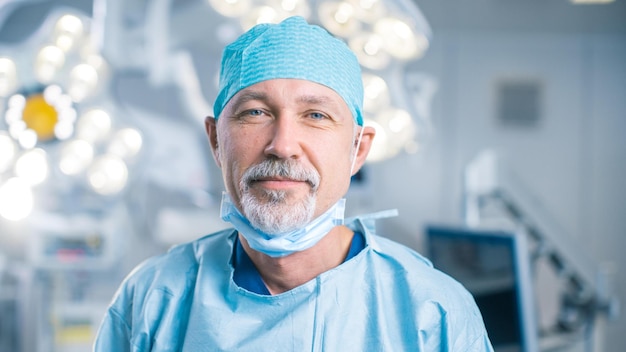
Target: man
column 288, row 134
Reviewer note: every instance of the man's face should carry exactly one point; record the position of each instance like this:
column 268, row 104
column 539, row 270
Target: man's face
column 285, row 147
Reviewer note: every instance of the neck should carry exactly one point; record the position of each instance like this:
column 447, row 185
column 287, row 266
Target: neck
column 285, row 273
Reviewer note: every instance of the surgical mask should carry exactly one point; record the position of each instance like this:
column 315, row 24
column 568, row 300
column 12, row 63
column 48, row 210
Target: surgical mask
column 283, row 244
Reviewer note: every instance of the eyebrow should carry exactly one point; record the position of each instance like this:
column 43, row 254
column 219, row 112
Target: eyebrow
column 318, row 100
column 247, row 96
column 251, row 95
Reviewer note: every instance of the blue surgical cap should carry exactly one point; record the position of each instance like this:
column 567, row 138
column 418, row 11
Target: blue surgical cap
column 290, row 49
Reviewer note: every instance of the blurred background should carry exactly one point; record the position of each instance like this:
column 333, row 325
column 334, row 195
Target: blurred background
column 501, row 141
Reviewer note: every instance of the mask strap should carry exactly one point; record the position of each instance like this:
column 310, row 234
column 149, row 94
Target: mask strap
column 356, row 150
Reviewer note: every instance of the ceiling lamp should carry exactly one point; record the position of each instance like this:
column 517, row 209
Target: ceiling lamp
column 258, row 15
column 75, row 157
column 8, row 76
column 400, row 40
column 48, row 63
column 273, row 11
column 9, row 151
column 108, row 175
column 16, row 199
column 397, row 129
column 370, row 51
column 32, row 166
column 375, row 92
column 231, row 8
column 369, row 10
column 339, row 18
column 57, row 122
column 40, row 116
column 67, row 31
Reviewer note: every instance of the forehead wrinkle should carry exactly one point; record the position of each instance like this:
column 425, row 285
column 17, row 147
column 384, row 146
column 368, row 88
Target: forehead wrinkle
column 317, row 100
column 248, row 95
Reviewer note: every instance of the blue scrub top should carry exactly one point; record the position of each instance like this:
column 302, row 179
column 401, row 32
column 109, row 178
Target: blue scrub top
column 247, row 276
column 387, row 297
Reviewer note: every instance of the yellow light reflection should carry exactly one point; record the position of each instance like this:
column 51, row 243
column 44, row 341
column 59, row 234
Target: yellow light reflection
column 40, row 116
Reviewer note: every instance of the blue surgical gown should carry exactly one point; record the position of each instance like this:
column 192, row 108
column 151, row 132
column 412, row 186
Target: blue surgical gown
column 385, row 298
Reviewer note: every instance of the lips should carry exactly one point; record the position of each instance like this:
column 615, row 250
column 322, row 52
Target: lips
column 280, row 181
column 280, row 172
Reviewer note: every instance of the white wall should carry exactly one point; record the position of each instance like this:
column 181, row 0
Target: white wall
column 573, row 162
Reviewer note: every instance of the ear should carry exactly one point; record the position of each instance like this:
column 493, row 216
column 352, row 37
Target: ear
column 364, row 147
column 210, row 124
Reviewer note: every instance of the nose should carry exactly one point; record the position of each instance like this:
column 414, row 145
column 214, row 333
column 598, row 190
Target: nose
column 285, row 139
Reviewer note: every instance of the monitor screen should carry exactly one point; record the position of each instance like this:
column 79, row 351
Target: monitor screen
column 494, row 267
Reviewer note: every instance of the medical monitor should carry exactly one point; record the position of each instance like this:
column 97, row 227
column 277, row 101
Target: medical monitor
column 494, row 266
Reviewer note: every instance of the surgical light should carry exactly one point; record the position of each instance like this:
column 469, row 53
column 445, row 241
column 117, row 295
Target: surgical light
column 108, row 175
column 17, row 101
column 16, row 199
column 32, row 166
column 40, row 116
column 369, row 11
column 27, row 138
column 338, row 18
column 376, row 92
column 398, row 125
column 83, row 82
column 290, row 5
column 13, row 115
column 231, row 8
column 94, row 125
column 286, row 8
column 369, row 51
column 67, row 31
column 48, row 62
column 400, row 40
column 258, row 15
column 75, row 157
column 49, row 114
column 8, row 76
column 16, row 128
column 8, row 151
column 126, row 143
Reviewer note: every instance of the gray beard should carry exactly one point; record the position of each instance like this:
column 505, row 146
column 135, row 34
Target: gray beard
column 274, row 215
column 271, row 212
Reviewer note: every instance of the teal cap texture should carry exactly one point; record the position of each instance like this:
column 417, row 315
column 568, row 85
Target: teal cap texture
column 291, row 49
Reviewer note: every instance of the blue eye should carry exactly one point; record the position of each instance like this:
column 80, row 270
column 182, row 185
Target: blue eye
column 317, row 115
column 256, row 112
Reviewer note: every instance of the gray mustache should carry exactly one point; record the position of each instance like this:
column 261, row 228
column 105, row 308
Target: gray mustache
column 289, row 168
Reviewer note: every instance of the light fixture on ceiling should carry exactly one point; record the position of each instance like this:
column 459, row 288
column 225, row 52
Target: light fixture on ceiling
column 58, row 121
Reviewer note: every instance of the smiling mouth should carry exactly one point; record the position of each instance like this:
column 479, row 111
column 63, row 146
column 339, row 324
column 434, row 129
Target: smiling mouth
column 280, row 182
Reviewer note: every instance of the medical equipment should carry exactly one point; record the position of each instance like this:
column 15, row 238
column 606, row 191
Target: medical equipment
column 585, row 296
